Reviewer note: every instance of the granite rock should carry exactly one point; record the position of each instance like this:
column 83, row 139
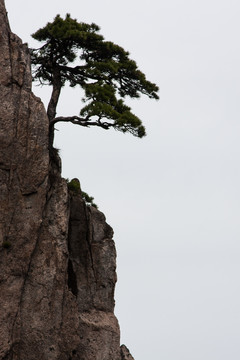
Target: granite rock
column 57, row 255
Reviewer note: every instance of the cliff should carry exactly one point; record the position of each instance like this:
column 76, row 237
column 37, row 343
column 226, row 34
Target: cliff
column 57, row 255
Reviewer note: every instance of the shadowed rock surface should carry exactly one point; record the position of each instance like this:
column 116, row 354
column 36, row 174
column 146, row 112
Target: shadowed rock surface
column 57, row 256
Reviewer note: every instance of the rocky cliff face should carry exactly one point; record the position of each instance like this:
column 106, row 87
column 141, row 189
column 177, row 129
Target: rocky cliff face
column 57, row 256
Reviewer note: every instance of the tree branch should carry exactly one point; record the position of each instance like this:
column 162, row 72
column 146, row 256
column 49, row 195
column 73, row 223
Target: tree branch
column 80, row 121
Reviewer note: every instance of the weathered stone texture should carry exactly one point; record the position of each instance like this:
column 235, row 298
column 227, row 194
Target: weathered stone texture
column 24, row 168
column 57, row 256
column 91, row 281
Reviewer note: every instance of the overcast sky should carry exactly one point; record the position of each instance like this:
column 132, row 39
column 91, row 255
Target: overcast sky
column 173, row 197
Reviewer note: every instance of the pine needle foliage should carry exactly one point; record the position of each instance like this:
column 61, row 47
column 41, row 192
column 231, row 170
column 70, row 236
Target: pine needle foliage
column 76, row 53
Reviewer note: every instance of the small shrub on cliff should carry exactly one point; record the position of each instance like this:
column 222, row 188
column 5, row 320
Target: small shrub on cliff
column 74, row 186
column 88, row 199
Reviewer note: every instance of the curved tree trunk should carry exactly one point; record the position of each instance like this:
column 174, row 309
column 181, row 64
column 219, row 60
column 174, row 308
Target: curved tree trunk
column 52, row 106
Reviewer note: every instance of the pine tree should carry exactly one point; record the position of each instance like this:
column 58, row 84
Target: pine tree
column 103, row 70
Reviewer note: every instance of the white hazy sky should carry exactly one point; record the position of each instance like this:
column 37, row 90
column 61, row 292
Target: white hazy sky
column 173, row 197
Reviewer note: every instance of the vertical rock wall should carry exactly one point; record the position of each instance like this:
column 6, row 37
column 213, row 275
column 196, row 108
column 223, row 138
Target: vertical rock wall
column 57, row 256
column 24, row 168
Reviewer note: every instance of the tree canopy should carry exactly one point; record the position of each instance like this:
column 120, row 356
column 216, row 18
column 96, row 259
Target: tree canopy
column 76, row 53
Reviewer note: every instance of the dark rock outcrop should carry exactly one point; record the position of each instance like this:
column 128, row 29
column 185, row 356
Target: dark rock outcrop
column 125, row 354
column 57, row 256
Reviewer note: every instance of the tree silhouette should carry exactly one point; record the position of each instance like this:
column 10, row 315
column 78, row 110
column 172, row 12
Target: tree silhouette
column 76, row 53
